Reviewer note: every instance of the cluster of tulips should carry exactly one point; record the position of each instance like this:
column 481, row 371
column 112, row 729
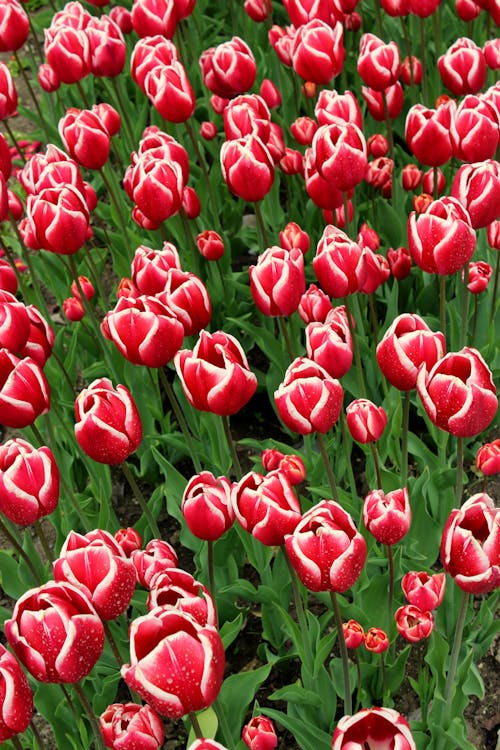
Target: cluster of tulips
column 165, row 161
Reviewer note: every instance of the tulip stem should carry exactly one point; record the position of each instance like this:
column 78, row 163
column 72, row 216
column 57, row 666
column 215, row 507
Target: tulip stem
column 16, row 742
column 203, row 167
column 140, row 499
column 347, row 223
column 384, row 680
column 388, row 125
column 455, row 652
column 39, row 741
column 261, row 227
column 112, row 194
column 113, row 644
column 390, row 597
column 210, row 565
column 230, row 442
column 355, row 347
column 284, row 332
column 442, row 304
column 20, row 551
column 348, row 455
column 181, row 420
column 474, row 319
column 343, row 654
column 460, row 472
column 42, row 305
column 91, row 715
column 376, row 461
column 465, row 306
column 495, row 288
column 124, row 106
column 373, row 318
column 43, row 541
column 301, row 617
column 196, row 725
column 358, row 675
column 404, row 438
column 41, row 119
column 328, row 466
column 424, row 66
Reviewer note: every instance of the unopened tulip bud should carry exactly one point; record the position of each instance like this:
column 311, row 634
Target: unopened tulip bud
column 210, row 244
column 365, row 421
column 387, row 516
column 353, row 634
column 376, row 640
column 259, row 734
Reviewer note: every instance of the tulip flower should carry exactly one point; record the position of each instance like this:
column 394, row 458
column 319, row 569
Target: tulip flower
column 56, row 633
column 378, row 63
column 488, row 458
column 470, row 545
column 95, row 563
column 176, row 589
column 129, row 540
column 353, row 634
column 266, row 506
column 326, row 549
column 29, row 481
column 277, row 281
column 151, row 18
column 24, row 390
column 413, row 623
column 210, row 244
column 176, row 664
column 108, row 426
column 340, row 154
column 423, row 590
column 259, row 734
column 427, row 133
column 206, row 506
column 329, row 343
column 247, row 167
column 339, row 263
column 14, row 26
column 458, row 393
column 154, row 558
column 463, row 67
column 16, row 698
column 314, row 305
column 318, row 51
column 127, row 726
column 387, row 516
column 365, row 421
column 383, row 726
column 376, row 640
column 228, row 69
column 215, row 375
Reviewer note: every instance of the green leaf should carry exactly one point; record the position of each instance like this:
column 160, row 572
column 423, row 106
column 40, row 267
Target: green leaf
column 230, row 630
column 237, row 692
column 307, row 736
column 296, row 693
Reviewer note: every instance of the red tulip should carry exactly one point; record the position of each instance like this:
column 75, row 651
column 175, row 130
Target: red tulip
column 474, row 130
column 14, row 26
column 258, row 10
column 24, row 391
column 413, row 623
column 340, row 154
column 385, row 103
column 318, row 51
column 387, row 516
column 67, row 50
column 96, row 564
column 128, row 726
column 332, row 106
column 423, row 590
column 470, row 545
column 277, row 281
column 365, row 421
column 206, row 506
column 144, row 330
column 441, row 240
column 210, row 244
column 479, row 276
column 477, row 187
column 302, row 11
column 59, row 219
column 383, row 726
column 228, row 69
column 123, row 18
column 463, row 67
column 247, row 167
column 427, row 133
column 353, row 633
column 399, row 262
column 215, row 375
column 29, row 481
column 129, row 540
column 56, row 633
column 376, row 640
column 377, row 145
column 488, row 458
column 458, row 393
column 108, row 426
column 326, row 549
column 107, row 47
column 339, row 263
column 259, row 734
column 73, row 309
column 170, row 92
column 329, row 343
column 176, row 589
column 85, row 137
column 177, row 665
column 16, row 698
column 187, row 298
column 270, row 92
column 378, row 62
column 247, row 114
column 407, row 344
column 266, row 506
column 155, row 558
column 416, row 70
column 151, row 17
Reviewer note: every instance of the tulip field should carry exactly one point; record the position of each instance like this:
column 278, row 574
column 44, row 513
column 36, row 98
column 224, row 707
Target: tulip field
column 249, row 357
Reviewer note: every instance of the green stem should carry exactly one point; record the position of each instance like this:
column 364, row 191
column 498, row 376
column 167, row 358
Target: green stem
column 112, row 194
column 355, row 347
column 390, row 597
column 41, row 119
column 388, row 125
column 328, row 466
column 43, row 541
column 232, row 448
column 347, row 223
column 224, row 724
column 442, row 304
column 113, row 644
column 196, row 725
column 460, row 472
column 373, row 318
column 495, row 288
column 284, row 332
column 404, row 438
column 424, row 66
column 261, row 226
column 124, row 109
column 210, row 565
column 376, row 462
column 181, row 420
column 301, row 617
column 140, row 499
column 348, row 455
column 474, row 319
column 20, row 551
column 465, row 307
column 99, row 741
column 384, row 680
column 203, row 166
column 16, row 742
column 343, row 654
column 455, row 652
